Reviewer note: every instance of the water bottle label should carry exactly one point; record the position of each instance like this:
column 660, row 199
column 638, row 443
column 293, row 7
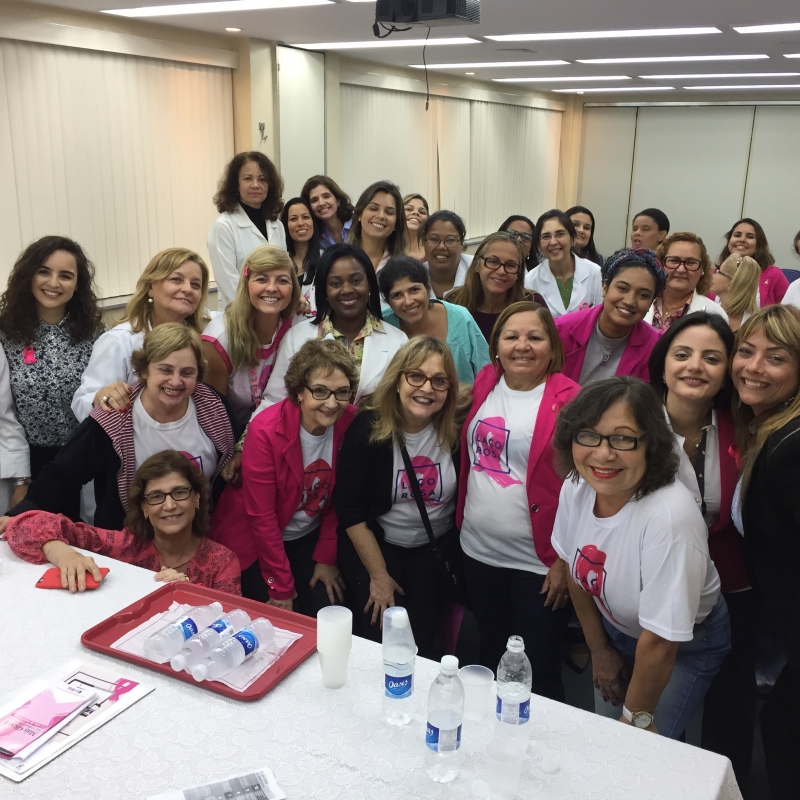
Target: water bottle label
column 188, row 628
column 513, row 713
column 220, row 625
column 247, row 639
column 398, row 688
column 443, row 741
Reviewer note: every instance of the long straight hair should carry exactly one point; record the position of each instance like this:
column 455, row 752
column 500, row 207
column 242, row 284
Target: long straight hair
column 311, row 261
column 742, row 295
column 590, row 251
column 396, row 243
column 762, row 255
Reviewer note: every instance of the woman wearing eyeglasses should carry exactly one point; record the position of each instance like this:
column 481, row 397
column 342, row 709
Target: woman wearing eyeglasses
column 524, row 231
column 165, row 531
column 442, row 237
column 566, row 281
column 385, row 552
column 735, row 283
column 645, row 589
column 493, row 281
column 517, row 585
column 689, row 274
column 281, row 523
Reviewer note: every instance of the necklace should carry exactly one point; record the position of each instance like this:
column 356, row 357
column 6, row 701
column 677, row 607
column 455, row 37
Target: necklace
column 184, row 560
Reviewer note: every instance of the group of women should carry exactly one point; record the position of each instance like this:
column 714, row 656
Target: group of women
column 375, row 421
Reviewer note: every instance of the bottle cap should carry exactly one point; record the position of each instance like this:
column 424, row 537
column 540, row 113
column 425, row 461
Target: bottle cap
column 396, row 617
column 515, row 644
column 449, row 665
column 200, row 672
column 217, row 606
column 178, row 663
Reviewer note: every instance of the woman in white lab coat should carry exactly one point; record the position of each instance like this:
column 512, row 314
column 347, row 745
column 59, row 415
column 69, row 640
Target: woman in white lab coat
column 249, row 201
column 15, row 463
column 567, row 282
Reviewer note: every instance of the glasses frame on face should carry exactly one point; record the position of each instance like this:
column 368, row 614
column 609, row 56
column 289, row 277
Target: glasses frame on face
column 560, row 234
column 317, row 393
column 614, row 440
column 676, row 262
column 515, row 234
column 178, row 494
column 509, row 267
column 444, row 382
column 450, row 242
column 719, row 271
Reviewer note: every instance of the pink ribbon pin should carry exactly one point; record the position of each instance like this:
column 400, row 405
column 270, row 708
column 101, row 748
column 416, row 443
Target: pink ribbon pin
column 28, row 355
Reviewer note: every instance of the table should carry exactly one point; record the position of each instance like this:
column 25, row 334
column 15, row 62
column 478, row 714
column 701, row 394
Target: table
column 321, row 744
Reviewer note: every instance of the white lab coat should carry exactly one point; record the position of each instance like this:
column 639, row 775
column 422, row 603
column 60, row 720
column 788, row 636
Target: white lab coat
column 699, row 303
column 379, row 349
column 461, row 272
column 231, row 239
column 15, row 459
column 587, row 286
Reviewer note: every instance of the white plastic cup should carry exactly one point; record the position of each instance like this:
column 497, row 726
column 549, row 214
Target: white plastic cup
column 477, row 682
column 334, row 640
column 504, row 757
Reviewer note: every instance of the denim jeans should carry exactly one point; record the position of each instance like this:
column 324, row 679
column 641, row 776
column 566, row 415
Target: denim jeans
column 696, row 664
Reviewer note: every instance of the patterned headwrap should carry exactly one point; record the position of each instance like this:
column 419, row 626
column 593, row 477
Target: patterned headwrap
column 646, row 259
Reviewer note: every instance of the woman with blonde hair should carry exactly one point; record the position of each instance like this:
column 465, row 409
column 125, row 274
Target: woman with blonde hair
column 171, row 409
column 735, row 283
column 386, row 552
column 494, row 280
column 172, row 288
column 240, row 345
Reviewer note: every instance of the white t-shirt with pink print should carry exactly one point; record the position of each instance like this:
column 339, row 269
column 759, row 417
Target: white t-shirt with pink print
column 499, row 445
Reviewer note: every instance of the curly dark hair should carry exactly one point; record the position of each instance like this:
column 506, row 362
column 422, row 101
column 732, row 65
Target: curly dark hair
column 155, row 467
column 345, row 209
column 585, row 411
column 762, row 255
column 227, row 197
column 18, row 315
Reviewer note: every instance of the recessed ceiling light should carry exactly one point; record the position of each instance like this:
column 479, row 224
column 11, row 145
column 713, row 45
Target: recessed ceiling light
column 719, row 75
column 212, row 8
column 616, row 89
column 655, row 59
column 233, row 30
column 544, row 37
column 491, row 64
column 373, row 43
column 562, row 79
column 469, row 73
column 782, row 28
column 791, row 55
column 754, row 86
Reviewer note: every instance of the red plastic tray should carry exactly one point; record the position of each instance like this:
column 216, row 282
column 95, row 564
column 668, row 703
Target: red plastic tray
column 105, row 633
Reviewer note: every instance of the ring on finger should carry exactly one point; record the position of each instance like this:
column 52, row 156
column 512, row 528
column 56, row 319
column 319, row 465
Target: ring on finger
column 106, row 398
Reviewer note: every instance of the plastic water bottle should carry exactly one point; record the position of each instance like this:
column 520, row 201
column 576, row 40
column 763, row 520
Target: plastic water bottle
column 514, row 691
column 202, row 643
column 399, row 650
column 445, row 715
column 259, row 635
column 168, row 641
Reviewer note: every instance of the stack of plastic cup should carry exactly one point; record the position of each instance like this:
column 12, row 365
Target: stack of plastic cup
column 334, row 640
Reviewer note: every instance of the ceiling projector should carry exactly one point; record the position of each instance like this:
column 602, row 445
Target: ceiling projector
column 429, row 13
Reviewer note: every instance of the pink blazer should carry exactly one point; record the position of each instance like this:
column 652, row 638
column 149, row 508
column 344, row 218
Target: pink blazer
column 543, row 483
column 575, row 330
column 772, row 286
column 250, row 520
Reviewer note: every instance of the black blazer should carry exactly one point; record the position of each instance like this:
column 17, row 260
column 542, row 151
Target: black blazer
column 771, row 518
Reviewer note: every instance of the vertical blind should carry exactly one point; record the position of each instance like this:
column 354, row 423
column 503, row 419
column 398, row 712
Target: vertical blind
column 485, row 161
column 120, row 153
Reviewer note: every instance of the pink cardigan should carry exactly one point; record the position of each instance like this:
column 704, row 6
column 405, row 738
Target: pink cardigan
column 772, row 286
column 250, row 520
column 543, row 484
column 575, row 330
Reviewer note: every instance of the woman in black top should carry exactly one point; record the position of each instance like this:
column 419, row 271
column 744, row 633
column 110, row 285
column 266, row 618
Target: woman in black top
column 766, row 378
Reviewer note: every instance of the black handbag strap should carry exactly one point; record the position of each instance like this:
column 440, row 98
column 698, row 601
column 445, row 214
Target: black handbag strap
column 412, row 479
column 700, row 469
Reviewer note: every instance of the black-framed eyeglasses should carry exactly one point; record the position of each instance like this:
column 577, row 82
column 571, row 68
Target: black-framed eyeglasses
column 493, row 263
column 526, row 237
column 691, row 264
column 323, row 393
column 616, row 441
column 439, row 383
column 179, row 493
column 449, row 241
column 724, row 275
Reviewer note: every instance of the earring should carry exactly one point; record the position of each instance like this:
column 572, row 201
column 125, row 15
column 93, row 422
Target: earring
column 150, row 300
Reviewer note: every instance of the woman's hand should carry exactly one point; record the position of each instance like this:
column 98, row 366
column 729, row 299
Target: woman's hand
column 303, row 307
column 285, row 604
column 73, row 565
column 168, row 575
column 332, row 579
column 651, row 727
column 556, row 585
column 18, row 495
column 381, row 595
column 232, row 471
column 113, row 397
column 3, row 525
column 609, row 674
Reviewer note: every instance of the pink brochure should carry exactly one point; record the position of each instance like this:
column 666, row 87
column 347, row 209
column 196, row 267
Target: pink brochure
column 44, row 712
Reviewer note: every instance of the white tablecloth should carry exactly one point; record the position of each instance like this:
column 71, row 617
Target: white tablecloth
column 321, row 744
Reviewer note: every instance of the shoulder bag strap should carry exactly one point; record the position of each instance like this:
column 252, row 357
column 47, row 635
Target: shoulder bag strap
column 412, row 479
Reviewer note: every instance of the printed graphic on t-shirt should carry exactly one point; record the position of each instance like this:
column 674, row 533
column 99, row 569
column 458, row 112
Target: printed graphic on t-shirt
column 196, row 460
column 490, row 451
column 316, row 487
column 589, row 572
column 429, row 478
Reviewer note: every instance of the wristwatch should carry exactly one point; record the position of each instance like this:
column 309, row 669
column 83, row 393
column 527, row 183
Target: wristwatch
column 639, row 719
column 22, row 481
